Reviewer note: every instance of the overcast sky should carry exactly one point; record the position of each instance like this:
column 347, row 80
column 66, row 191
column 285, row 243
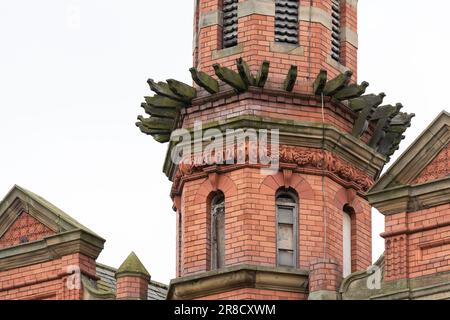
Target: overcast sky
column 72, row 77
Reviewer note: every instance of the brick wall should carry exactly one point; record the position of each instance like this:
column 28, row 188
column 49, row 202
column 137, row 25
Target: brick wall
column 296, row 108
column 256, row 36
column 132, row 287
column 417, row 243
column 325, row 275
column 251, row 220
column 47, row 280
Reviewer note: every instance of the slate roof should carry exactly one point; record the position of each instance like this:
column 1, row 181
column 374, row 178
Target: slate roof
column 107, row 282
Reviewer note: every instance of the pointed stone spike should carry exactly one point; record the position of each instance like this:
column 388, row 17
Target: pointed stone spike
column 148, row 131
column 132, row 265
column 156, row 123
column 160, row 112
column 351, row 91
column 336, row 84
column 205, row 81
column 263, row 74
column 320, row 82
column 244, row 72
column 370, row 100
column 182, row 90
column 231, row 78
column 163, row 102
column 403, row 119
column 161, row 138
column 390, row 143
column 362, row 122
column 387, row 111
column 384, row 115
column 163, row 89
column 291, row 78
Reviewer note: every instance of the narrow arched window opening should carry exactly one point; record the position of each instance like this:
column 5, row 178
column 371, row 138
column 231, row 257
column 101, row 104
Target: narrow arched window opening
column 217, row 230
column 287, row 215
column 348, row 214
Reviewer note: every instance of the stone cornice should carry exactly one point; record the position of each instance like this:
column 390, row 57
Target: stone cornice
column 51, row 248
column 238, row 277
column 304, row 134
column 411, row 198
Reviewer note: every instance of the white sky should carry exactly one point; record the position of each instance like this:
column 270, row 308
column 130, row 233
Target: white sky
column 72, row 77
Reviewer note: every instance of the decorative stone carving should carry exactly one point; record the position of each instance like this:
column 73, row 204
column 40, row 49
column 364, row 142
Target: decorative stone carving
column 302, row 157
column 438, row 168
column 325, row 160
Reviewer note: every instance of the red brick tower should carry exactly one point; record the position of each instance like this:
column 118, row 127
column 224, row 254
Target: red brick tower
column 292, row 233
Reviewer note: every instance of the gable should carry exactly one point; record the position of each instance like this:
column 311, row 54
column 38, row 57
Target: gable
column 425, row 160
column 22, row 211
column 24, row 229
column 437, row 169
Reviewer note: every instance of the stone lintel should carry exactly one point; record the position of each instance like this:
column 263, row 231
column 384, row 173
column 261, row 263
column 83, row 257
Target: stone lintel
column 259, row 7
column 51, row 248
column 238, row 277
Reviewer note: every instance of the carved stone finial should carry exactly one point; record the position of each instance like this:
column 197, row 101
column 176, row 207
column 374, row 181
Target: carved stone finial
column 205, row 81
column 338, row 83
column 291, row 78
column 230, row 77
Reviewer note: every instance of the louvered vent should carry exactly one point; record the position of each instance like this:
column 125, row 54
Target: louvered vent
column 286, row 21
column 230, row 23
column 336, row 30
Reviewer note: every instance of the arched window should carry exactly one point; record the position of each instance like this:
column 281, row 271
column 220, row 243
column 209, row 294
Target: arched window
column 287, row 212
column 347, row 240
column 217, row 231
